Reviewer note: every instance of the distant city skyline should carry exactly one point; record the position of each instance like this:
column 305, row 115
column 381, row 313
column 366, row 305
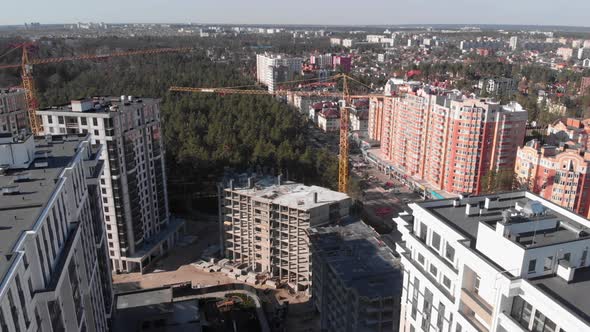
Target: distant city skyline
column 345, row 12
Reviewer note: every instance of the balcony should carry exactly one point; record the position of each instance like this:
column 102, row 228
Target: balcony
column 474, row 305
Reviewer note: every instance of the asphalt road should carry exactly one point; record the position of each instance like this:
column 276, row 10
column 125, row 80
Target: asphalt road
column 382, row 205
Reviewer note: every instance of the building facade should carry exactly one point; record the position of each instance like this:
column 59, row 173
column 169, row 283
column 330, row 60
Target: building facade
column 499, row 86
column 329, row 120
column 357, row 281
column 560, row 175
column 54, row 270
column 272, row 69
column 451, row 141
column 13, row 111
column 133, row 186
column 265, row 224
column 507, row 262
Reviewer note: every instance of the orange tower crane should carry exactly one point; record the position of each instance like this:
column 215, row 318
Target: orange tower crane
column 343, row 167
column 27, row 64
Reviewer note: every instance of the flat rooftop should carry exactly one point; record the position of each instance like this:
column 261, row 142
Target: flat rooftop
column 568, row 229
column 21, row 210
column 104, row 105
column 155, row 310
column 293, row 195
column 361, row 260
column 572, row 295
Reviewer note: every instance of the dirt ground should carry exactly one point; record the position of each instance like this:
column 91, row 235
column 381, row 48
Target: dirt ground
column 175, row 268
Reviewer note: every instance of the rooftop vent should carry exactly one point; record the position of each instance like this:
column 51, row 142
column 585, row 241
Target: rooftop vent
column 24, row 177
column 533, row 208
column 10, row 190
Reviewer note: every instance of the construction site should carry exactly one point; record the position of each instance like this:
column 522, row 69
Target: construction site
column 265, row 223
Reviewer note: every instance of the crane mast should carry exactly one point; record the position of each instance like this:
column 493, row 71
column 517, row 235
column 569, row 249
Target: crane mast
column 344, row 126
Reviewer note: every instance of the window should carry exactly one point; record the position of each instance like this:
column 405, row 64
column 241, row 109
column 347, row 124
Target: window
column 450, row 253
column 50, row 119
column 458, row 328
column 433, row 270
column 60, row 119
column 476, row 283
column 441, row 316
column 548, row 263
column 415, row 297
column 435, row 241
column 420, row 259
column 532, row 265
column 566, row 257
column 84, row 121
column 96, row 133
column 94, row 122
column 521, row 311
column 423, row 232
column 447, row 282
column 542, row 323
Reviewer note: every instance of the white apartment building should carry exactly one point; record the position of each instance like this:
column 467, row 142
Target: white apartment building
column 13, row 112
column 54, row 270
column 265, row 224
column 497, row 86
column 347, row 43
column 272, row 69
column 335, row 41
column 513, row 42
column 506, row 262
column 133, row 186
column 583, row 53
column 322, row 61
column 329, row 120
column 359, row 120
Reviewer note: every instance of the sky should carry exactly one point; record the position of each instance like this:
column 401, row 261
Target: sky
column 321, row 12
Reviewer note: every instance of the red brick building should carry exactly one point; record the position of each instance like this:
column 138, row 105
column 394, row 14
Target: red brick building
column 451, row 141
column 558, row 175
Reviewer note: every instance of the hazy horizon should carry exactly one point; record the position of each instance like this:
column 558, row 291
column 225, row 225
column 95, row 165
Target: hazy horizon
column 303, row 12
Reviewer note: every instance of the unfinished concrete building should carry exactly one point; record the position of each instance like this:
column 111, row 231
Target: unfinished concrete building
column 265, row 222
column 356, row 280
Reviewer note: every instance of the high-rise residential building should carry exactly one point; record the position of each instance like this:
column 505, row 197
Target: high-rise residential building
column 496, row 263
column 133, row 186
column 321, row 61
column 513, row 42
column 272, row 69
column 376, row 106
column 583, row 53
column 455, row 143
column 54, row 268
column 560, row 175
column 343, row 63
column 13, row 112
column 265, row 223
column 356, row 280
